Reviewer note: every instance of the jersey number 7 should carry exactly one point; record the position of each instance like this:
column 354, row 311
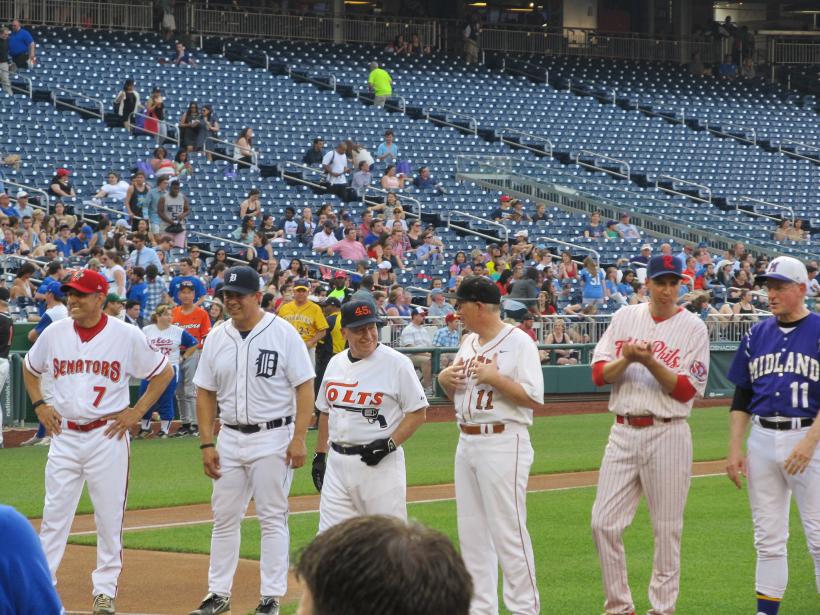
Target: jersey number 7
column 100, row 391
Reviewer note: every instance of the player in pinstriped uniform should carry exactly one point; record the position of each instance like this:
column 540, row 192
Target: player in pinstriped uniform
column 777, row 375
column 255, row 368
column 656, row 356
column 494, row 382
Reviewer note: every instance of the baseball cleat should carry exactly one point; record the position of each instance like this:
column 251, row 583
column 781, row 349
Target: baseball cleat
column 31, row 441
column 267, row 606
column 103, row 605
column 181, row 432
column 194, row 431
column 143, row 433
column 43, row 441
column 162, row 435
column 214, row 604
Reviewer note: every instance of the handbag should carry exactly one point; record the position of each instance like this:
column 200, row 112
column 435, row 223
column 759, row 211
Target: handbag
column 174, row 229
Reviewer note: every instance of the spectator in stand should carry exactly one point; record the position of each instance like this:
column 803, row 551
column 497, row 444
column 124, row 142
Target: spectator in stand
column 447, row 336
column 391, row 201
column 540, row 213
column 173, row 208
column 416, row 335
column 306, row 227
column 391, row 181
column 21, row 287
column 361, row 178
column 388, row 152
column 114, row 188
column 747, row 70
column 21, row 46
column 813, row 285
column 60, row 186
column 684, row 255
column 431, row 250
column 187, row 275
column 592, row 283
column 425, row 181
column 470, row 33
column 728, row 69
column 521, row 249
column 155, row 115
column 142, row 255
column 6, row 208
column 289, row 223
column 380, row 83
column 4, row 64
column 243, row 152
column 518, row 213
column 183, row 56
column 697, row 68
column 397, row 220
column 23, row 207
column 335, row 167
column 567, row 268
column 644, row 256
column 627, row 230
column 315, row 154
column 138, row 290
column 349, row 248
column 305, row 316
column 594, row 228
column 156, row 289
column 63, row 242
column 415, row 46
column 251, row 206
column 502, row 212
column 438, row 304
column 127, row 102
column 160, row 164
column 561, row 356
column 192, row 128
column 612, row 231
column 183, row 166
column 324, row 241
column 797, row 232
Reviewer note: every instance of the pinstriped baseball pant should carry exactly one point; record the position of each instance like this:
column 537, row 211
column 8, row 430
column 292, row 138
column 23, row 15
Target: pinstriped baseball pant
column 655, row 461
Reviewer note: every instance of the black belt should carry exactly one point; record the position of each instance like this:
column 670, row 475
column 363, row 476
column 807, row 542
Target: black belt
column 348, row 450
column 785, row 425
column 255, row 428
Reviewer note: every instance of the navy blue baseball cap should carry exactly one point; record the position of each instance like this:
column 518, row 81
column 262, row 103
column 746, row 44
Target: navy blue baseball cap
column 478, row 288
column 357, row 314
column 241, row 279
column 664, row 264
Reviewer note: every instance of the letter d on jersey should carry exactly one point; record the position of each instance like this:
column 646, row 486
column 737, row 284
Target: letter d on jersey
column 266, row 363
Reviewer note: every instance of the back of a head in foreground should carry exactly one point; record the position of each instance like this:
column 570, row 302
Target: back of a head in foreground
column 374, row 565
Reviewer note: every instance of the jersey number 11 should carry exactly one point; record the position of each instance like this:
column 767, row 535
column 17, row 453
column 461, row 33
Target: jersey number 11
column 479, row 402
column 803, row 388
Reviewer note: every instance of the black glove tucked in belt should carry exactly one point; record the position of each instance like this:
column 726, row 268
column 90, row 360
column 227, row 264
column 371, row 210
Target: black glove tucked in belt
column 377, row 450
column 317, row 471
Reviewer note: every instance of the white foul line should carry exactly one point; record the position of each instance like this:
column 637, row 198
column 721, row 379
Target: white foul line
column 161, row 526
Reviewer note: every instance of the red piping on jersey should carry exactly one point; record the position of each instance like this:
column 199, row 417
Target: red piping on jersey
column 87, row 333
column 657, row 320
column 598, row 373
column 683, row 391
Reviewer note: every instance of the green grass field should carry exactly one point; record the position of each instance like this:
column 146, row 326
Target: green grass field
column 717, row 553
column 169, row 472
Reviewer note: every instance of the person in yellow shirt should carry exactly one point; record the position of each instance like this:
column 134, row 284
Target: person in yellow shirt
column 305, row 316
column 380, row 83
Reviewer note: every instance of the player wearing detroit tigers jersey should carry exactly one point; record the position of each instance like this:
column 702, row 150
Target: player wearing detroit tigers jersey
column 656, row 356
column 90, row 357
column 777, row 375
column 256, row 370
column 371, row 401
column 494, row 382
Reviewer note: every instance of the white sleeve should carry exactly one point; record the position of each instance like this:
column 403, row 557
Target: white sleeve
column 528, row 371
column 37, row 357
column 695, row 364
column 145, row 361
column 205, row 377
column 404, row 338
column 605, row 348
column 298, row 367
column 411, row 393
column 328, row 158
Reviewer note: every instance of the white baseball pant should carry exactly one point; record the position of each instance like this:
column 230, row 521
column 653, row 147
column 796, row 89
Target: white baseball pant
column 770, row 490
column 252, row 465
column 186, row 389
column 656, row 461
column 491, row 473
column 74, row 458
column 4, row 376
column 352, row 488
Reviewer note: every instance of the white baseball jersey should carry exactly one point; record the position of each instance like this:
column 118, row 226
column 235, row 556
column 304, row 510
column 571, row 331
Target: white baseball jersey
column 167, row 341
column 680, row 342
column 517, row 358
column 91, row 378
column 254, row 378
column 366, row 399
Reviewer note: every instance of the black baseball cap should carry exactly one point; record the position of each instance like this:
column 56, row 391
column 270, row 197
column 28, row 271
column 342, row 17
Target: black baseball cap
column 333, row 301
column 241, row 279
column 187, row 284
column 664, row 265
column 357, row 314
column 478, row 288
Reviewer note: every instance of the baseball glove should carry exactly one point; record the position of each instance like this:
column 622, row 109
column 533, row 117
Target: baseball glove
column 317, row 470
column 377, row 450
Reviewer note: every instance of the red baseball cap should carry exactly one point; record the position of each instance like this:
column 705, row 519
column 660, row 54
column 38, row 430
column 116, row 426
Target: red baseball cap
column 86, row 281
column 62, row 172
column 340, row 274
column 451, row 317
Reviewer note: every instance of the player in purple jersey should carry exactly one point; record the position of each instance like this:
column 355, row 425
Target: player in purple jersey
column 776, row 372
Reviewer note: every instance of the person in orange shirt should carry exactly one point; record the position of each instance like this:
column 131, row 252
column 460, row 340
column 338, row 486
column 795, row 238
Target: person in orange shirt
column 195, row 321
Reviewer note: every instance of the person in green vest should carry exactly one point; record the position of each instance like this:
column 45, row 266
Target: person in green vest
column 380, row 83
column 340, row 290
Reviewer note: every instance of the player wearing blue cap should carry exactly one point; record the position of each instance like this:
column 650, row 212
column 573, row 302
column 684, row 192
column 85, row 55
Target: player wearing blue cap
column 776, row 372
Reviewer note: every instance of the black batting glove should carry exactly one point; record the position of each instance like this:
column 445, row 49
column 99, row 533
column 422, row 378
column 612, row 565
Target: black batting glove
column 378, row 450
column 317, row 470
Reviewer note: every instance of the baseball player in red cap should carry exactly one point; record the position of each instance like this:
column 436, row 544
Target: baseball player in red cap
column 91, row 358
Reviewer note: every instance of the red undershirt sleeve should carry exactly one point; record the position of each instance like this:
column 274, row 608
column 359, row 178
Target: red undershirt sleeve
column 683, row 391
column 598, row 373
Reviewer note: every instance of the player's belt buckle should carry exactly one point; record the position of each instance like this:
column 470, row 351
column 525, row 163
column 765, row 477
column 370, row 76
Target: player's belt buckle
column 482, row 429
column 640, row 421
column 793, row 423
column 274, row 424
column 87, row 426
column 347, row 450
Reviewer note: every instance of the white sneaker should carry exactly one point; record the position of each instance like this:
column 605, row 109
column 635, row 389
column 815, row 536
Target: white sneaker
column 31, row 441
column 43, row 441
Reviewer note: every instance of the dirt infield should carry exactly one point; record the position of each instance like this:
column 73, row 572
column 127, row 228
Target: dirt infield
column 172, row 583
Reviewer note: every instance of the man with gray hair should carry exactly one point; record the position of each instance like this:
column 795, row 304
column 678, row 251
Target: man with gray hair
column 380, row 83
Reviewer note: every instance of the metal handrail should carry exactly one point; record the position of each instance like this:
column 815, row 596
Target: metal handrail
column 753, row 140
column 254, row 153
column 473, row 122
column 56, row 102
column 418, row 204
column 123, row 214
column 303, row 167
column 402, row 106
column 799, row 144
column 456, row 212
column 767, row 203
column 245, row 246
column 45, row 203
column 683, row 181
column 524, row 134
column 576, row 246
column 27, row 80
column 596, row 155
column 176, row 139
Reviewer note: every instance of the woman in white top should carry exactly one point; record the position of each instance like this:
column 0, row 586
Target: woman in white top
column 398, row 219
column 114, row 271
column 115, row 188
column 243, row 151
column 167, row 339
